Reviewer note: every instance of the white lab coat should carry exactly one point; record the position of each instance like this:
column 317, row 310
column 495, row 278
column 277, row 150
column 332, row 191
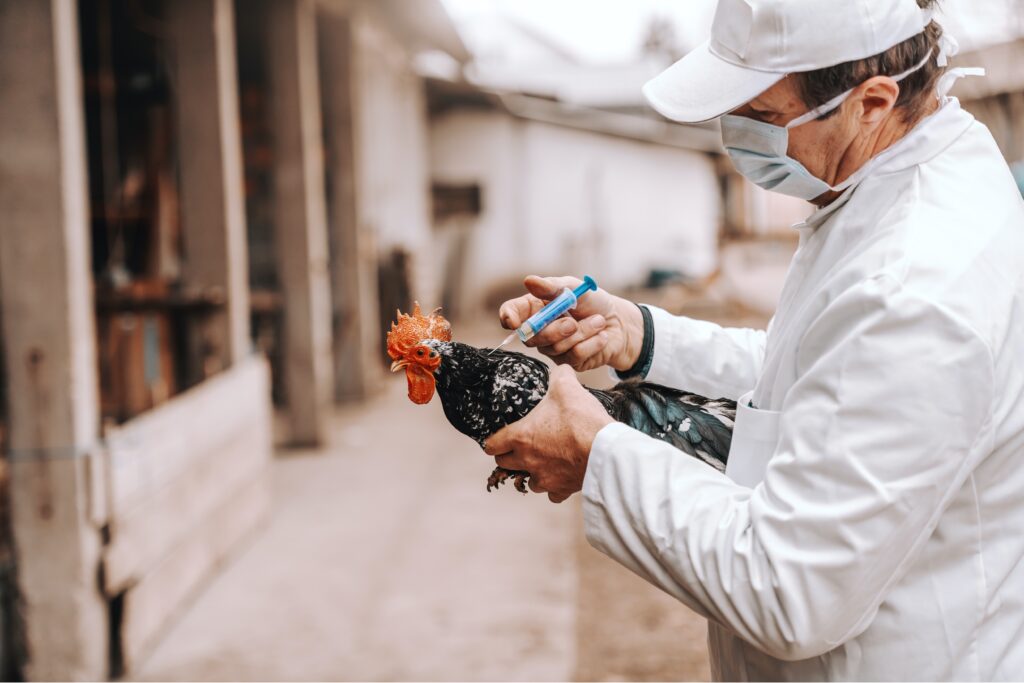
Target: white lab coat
column 870, row 524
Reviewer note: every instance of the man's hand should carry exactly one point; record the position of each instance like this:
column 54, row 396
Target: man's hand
column 553, row 442
column 603, row 330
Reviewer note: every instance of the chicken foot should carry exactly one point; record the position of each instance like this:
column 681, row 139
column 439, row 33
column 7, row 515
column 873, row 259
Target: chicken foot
column 499, row 476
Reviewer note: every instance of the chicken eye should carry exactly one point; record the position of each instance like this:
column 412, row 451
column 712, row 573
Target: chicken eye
column 419, row 352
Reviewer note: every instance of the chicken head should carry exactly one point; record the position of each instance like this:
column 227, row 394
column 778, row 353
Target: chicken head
column 408, row 350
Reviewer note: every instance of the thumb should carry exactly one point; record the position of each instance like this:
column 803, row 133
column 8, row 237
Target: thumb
column 548, row 287
column 562, row 379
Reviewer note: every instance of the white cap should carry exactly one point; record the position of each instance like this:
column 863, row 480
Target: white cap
column 755, row 43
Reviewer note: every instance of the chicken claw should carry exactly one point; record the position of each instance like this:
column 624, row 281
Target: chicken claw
column 499, row 476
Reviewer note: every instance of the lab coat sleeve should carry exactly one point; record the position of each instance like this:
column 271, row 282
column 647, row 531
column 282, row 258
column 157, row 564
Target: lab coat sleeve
column 888, row 419
column 705, row 358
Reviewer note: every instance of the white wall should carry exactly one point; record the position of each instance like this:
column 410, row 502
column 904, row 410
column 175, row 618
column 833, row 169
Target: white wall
column 485, row 148
column 564, row 201
column 770, row 213
column 393, row 184
column 618, row 207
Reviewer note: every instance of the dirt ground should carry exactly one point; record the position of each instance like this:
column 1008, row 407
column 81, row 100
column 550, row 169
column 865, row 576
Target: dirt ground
column 627, row 630
column 384, row 558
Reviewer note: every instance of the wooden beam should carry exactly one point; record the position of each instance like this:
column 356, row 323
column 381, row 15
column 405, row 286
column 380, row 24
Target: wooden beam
column 172, row 468
column 169, row 587
column 152, row 450
column 300, row 215
column 49, row 339
column 356, row 341
column 210, row 164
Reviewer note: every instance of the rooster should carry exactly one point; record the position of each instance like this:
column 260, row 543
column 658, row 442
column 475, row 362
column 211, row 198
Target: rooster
column 484, row 390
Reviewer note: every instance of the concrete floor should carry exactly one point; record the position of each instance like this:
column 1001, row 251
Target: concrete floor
column 384, row 558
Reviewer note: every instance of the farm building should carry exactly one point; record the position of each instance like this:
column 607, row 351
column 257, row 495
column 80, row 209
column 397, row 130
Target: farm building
column 187, row 189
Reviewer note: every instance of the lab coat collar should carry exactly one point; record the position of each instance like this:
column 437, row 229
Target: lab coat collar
column 926, row 141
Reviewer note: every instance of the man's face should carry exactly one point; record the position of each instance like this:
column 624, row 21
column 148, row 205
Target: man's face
column 818, row 145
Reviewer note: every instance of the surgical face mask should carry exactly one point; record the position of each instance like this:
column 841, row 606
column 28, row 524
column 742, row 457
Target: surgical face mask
column 760, row 151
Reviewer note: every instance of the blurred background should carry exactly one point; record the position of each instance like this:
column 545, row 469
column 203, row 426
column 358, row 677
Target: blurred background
column 211, row 210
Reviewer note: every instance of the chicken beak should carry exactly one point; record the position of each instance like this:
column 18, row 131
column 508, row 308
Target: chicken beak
column 398, row 365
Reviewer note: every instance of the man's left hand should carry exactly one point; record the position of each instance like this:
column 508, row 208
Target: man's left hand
column 553, row 442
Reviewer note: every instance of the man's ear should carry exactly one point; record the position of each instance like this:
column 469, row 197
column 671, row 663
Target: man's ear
column 877, row 97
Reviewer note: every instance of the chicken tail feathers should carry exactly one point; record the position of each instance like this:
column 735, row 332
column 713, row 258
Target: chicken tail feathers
column 695, row 425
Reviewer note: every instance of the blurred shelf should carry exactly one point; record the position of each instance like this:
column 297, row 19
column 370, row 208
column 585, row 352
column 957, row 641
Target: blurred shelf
column 127, row 302
column 265, row 301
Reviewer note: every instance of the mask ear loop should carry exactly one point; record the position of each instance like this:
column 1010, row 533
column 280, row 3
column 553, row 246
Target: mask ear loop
column 839, row 99
column 820, row 110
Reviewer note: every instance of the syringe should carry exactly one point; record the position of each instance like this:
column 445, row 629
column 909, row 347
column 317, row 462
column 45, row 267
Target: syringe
column 559, row 305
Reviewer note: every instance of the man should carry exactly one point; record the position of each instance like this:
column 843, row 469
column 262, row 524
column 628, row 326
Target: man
column 869, row 522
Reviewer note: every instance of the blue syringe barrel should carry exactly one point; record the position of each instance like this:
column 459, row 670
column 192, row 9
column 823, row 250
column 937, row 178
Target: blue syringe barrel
column 556, row 308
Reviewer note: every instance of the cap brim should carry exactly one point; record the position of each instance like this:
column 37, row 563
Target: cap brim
column 702, row 86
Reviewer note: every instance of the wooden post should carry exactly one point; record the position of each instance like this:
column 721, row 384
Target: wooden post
column 210, row 160
column 49, row 339
column 300, row 215
column 357, row 342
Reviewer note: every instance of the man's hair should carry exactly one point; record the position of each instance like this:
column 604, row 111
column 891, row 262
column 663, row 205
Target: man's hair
column 818, row 87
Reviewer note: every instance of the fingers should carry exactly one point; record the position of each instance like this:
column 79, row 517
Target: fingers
column 563, row 373
column 586, row 355
column 515, row 463
column 514, row 312
column 564, row 387
column 548, row 288
column 556, row 332
column 584, row 348
column 584, row 330
column 558, row 497
column 502, row 445
column 511, row 461
column 499, row 443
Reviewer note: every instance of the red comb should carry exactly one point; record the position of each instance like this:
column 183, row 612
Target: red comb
column 410, row 330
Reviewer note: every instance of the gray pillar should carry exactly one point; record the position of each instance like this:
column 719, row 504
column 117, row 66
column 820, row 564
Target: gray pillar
column 211, row 181
column 300, row 215
column 357, row 341
column 49, row 338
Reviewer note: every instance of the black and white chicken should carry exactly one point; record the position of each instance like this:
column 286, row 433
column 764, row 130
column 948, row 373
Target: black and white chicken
column 482, row 390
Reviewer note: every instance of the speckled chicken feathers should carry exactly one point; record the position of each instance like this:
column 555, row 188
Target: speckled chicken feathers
column 481, row 392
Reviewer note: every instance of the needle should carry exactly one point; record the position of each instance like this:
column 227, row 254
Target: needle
column 508, row 339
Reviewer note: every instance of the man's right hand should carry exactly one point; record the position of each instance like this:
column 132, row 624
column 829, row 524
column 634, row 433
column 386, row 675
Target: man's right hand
column 603, row 329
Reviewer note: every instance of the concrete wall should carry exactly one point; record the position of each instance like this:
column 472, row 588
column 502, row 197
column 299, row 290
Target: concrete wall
column 485, row 148
column 559, row 200
column 393, row 185
column 618, row 207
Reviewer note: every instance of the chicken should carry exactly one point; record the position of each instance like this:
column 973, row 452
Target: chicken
column 482, row 390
